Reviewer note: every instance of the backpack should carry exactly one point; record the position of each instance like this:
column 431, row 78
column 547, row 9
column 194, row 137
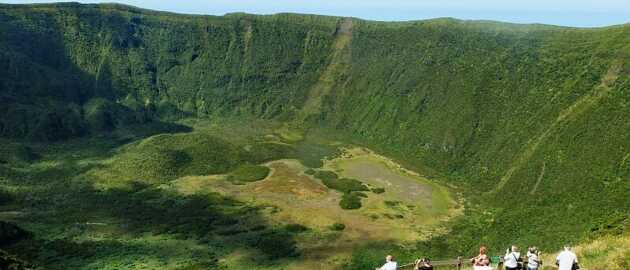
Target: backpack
column 519, row 262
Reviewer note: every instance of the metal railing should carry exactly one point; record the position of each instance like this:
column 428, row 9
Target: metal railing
column 460, row 263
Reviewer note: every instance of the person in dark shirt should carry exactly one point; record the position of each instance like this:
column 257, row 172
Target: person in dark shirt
column 423, row 264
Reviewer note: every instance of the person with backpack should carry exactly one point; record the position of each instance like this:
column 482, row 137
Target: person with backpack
column 512, row 259
column 533, row 259
column 482, row 261
column 567, row 260
column 423, row 264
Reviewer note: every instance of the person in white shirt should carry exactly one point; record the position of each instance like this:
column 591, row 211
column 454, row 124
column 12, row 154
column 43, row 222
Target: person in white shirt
column 533, row 258
column 566, row 259
column 511, row 258
column 390, row 264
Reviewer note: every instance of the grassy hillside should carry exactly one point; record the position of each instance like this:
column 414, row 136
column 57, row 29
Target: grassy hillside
column 606, row 252
column 529, row 122
column 150, row 64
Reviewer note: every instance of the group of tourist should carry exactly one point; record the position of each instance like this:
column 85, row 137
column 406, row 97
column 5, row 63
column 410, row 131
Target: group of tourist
column 566, row 260
column 512, row 259
column 420, row 264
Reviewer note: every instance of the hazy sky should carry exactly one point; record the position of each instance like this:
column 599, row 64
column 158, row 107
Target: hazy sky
column 559, row 12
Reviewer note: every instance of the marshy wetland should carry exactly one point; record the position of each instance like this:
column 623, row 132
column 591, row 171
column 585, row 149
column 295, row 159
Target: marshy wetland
column 275, row 194
column 409, row 209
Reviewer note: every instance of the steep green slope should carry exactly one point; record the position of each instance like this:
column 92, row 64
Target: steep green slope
column 488, row 108
column 151, row 64
column 529, row 121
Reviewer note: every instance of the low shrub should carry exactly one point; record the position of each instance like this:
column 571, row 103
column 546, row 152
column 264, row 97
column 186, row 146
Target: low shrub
column 326, row 175
column 11, row 152
column 11, row 233
column 248, row 173
column 351, row 188
column 10, row 261
column 350, row 201
column 338, row 226
column 295, row 228
column 276, row 245
column 378, row 190
column 345, row 185
column 5, row 196
column 392, row 203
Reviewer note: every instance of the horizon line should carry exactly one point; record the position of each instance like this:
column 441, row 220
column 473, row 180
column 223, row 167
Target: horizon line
column 183, row 13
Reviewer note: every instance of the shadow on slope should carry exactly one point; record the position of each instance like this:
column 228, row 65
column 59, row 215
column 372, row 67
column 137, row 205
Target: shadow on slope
column 76, row 225
column 45, row 94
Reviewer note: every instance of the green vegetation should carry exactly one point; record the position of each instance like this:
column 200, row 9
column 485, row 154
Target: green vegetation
column 511, row 116
column 392, row 204
column 165, row 157
column 345, row 185
column 263, row 152
column 8, row 261
column 290, row 134
column 378, row 190
column 11, row 233
column 296, row 228
column 5, row 196
column 248, row 173
column 350, row 201
column 312, row 153
column 351, row 188
column 111, row 65
column 127, row 227
column 326, row 175
column 610, row 252
column 168, row 156
column 12, row 152
column 338, row 227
